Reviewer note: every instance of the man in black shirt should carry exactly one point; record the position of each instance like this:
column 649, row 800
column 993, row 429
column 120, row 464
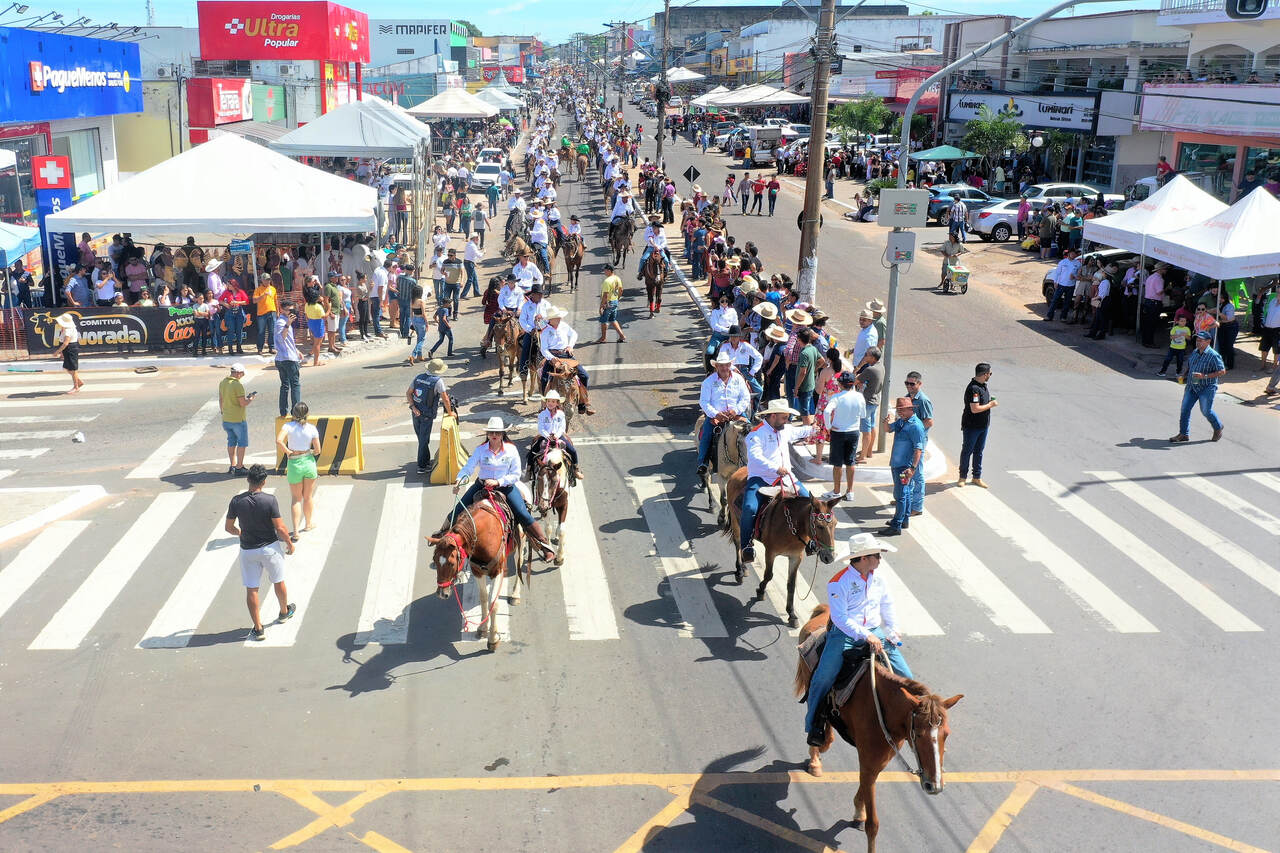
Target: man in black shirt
column 261, row 531
column 974, row 421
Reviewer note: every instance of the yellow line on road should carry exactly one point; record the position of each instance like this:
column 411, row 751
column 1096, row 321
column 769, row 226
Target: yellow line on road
column 640, row 838
column 799, row 839
column 381, row 843
column 995, row 826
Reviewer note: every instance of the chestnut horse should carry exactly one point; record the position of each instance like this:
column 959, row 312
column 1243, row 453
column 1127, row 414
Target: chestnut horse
column 912, row 714
column 785, row 527
column 582, row 165
column 730, row 451
column 551, row 495
column 655, row 273
column 571, row 249
column 506, row 344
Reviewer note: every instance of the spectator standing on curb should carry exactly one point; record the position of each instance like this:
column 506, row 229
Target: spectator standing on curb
column 974, row 422
column 404, row 295
column 1179, row 334
column 264, row 298
column 773, row 187
column 288, row 361
column 904, row 461
column 232, row 402
column 261, row 530
column 923, row 408
column 471, row 256
column 425, row 396
column 844, row 414
column 1152, row 302
column 377, row 293
column 1064, row 284
column 1204, row 367
column 870, row 380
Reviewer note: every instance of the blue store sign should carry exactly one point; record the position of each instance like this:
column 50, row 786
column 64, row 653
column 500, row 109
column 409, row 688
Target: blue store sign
column 46, row 76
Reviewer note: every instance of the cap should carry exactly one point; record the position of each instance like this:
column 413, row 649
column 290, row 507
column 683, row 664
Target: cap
column 237, row 367
column 1204, row 336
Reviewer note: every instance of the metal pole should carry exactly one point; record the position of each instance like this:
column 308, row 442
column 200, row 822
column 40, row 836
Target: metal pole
column 807, row 266
column 662, row 92
column 903, row 153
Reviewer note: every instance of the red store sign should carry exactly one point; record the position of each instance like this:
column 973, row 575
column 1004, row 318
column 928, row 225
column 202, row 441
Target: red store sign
column 312, row 29
column 212, row 101
column 515, row 73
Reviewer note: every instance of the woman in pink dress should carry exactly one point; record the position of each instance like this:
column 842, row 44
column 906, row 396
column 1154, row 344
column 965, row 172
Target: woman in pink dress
column 828, row 388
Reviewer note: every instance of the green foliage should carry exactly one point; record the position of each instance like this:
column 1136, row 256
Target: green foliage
column 1056, row 145
column 863, row 116
column 991, row 134
column 472, row 30
column 874, row 187
column 919, row 126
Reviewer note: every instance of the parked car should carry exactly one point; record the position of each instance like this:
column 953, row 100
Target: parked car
column 801, row 129
column 775, row 122
column 999, row 221
column 1107, row 256
column 489, row 155
column 1062, row 192
column 485, row 175
column 676, row 101
column 942, row 196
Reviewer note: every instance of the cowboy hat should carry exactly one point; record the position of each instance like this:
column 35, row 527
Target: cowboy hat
column 776, row 333
column 767, row 310
column 535, row 213
column 864, row 314
column 723, row 358
column 555, row 313
column 495, row 424
column 735, row 331
column 213, row 264
column 735, row 261
column 65, row 320
column 697, row 188
column 537, row 288
column 748, row 285
column 876, row 305
column 551, row 395
column 437, row 366
column 799, row 318
column 777, row 407
column 655, row 217
column 862, row 544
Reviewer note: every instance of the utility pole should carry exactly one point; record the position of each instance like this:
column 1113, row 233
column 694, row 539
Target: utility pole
column 664, row 92
column 807, row 267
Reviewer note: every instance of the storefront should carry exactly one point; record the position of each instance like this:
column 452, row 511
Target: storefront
column 60, row 93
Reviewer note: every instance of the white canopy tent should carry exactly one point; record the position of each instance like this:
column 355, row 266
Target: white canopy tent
column 705, row 100
column 1238, row 242
column 680, row 75
column 366, row 128
column 757, row 95
column 454, row 103
column 226, row 188
column 775, row 98
column 499, row 99
column 1176, row 205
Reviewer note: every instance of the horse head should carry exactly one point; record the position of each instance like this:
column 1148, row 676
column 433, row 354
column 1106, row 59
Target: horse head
column 927, row 733
column 822, row 527
column 548, row 474
column 448, row 557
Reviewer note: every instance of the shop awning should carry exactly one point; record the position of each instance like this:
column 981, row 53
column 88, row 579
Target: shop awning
column 454, row 103
column 359, row 129
column 261, row 132
column 944, row 152
column 226, row 187
column 680, row 75
column 16, row 241
column 1238, row 242
column 1178, row 204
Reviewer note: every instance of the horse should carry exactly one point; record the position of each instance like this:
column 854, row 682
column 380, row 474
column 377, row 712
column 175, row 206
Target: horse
column 582, row 165
column 529, row 382
column 505, row 343
column 912, row 713
column 729, row 450
column 563, row 156
column 655, row 273
column 620, row 236
column 516, row 247
column 572, row 250
column 517, row 226
column 563, row 378
column 551, row 492
column 786, row 527
column 483, row 537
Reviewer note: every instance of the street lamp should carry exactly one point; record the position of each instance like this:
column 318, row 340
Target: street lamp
column 20, row 8
column 76, row 23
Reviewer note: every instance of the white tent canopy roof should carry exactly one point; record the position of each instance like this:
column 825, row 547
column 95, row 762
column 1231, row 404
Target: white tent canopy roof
column 368, row 128
column 683, row 75
column 707, row 99
column 499, row 99
column 1177, row 204
column 1237, row 243
column 757, row 95
column 225, row 187
column 454, row 103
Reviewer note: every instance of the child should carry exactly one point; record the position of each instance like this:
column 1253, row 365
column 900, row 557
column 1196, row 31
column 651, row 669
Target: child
column 1179, row 334
column 443, row 329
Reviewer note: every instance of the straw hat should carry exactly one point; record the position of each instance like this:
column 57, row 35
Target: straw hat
column 776, row 333
column 495, row 424
column 748, row 285
column 876, row 305
column 697, row 189
column 777, row 407
column 555, row 313
column 767, row 310
column 437, row 366
column 862, row 544
column 799, row 318
column 67, row 321
column 734, row 262
column 864, row 314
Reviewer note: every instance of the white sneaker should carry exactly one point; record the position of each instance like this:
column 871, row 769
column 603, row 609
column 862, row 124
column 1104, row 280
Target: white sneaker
column 828, row 495
column 847, row 496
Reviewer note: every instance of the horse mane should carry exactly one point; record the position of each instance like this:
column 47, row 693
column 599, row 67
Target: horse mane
column 930, row 703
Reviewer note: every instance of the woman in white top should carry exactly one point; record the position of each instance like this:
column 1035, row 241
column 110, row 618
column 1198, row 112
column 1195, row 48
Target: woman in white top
column 723, row 317
column 299, row 441
column 551, row 433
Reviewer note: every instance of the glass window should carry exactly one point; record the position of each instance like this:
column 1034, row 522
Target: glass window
column 17, row 195
column 1210, row 166
column 86, row 166
column 1265, row 162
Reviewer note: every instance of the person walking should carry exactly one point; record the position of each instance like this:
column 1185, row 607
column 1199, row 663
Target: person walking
column 444, row 329
column 472, row 255
column 299, row 442
column 426, row 394
column 404, row 296
column 69, row 348
column 923, row 407
column 909, row 441
column 610, row 294
column 418, row 321
column 232, row 402
column 254, row 518
column 1152, row 303
column 773, row 186
column 288, row 360
column 975, row 419
column 843, row 414
column 1204, row 368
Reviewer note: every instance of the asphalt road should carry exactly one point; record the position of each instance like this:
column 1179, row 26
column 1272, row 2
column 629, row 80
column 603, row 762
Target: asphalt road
column 1107, row 608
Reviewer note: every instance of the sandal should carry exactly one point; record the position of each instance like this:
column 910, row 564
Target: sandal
column 293, row 537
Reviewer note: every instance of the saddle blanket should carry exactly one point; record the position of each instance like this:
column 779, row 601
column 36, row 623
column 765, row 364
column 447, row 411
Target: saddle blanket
column 811, row 652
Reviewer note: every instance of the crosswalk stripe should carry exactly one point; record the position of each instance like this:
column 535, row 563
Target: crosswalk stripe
column 1077, row 581
column 62, row 386
column 77, row 617
column 23, row 453
column 45, row 402
column 89, row 376
column 587, row 603
column 179, row 619
column 1271, row 481
column 1147, row 558
column 7, row 472
column 1202, row 533
column 13, row 420
column 688, row 582
column 971, row 574
column 181, row 440
column 384, row 616
column 32, row 561
column 303, row 567
column 913, row 619
column 473, row 609
column 36, row 434
column 1228, row 499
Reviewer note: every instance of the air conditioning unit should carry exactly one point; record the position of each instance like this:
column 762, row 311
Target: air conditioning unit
column 290, row 70
column 164, row 70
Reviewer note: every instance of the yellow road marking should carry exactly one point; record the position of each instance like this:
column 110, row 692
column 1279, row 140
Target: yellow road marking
column 995, row 826
column 34, row 801
column 381, row 843
column 799, row 839
column 670, row 812
column 328, row 816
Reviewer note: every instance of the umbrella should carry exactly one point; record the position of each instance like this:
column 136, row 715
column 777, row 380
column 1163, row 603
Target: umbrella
column 944, row 152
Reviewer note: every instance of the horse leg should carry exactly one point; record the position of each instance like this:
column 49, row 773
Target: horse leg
column 867, row 786
column 561, row 511
column 768, row 573
column 793, row 567
column 495, row 593
column 484, row 607
column 502, row 362
column 515, row 584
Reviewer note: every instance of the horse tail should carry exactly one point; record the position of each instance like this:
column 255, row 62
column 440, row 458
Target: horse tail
column 801, row 684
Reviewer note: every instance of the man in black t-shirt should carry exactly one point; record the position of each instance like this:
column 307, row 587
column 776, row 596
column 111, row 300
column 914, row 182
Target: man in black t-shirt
column 974, row 421
column 261, row 531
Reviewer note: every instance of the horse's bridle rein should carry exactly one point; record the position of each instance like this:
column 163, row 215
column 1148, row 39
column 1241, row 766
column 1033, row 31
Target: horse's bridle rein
column 911, row 726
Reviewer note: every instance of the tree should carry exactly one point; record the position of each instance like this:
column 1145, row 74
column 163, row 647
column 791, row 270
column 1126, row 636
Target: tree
column 919, row 126
column 863, row 116
column 991, row 134
column 1056, row 145
column 472, row 30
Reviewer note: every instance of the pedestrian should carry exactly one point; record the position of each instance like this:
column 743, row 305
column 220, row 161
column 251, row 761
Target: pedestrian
column 452, row 273
column 232, row 402
column 745, row 192
column 418, row 323
column 1228, row 329
column 1204, row 368
column 1100, row 299
column 1179, row 334
column 299, row 442
column 362, row 305
column 773, row 186
column 378, row 294
column 405, row 282
column 479, row 225
column 1064, row 284
column 425, row 396
column 288, row 360
column 870, row 380
column 260, row 530
column 443, row 330
column 923, row 407
column 806, row 377
column 264, row 300
column 1268, row 316
column 472, row 255
column 975, row 419
column 313, row 295
column 958, row 219
column 843, row 414
column 69, row 349
column 233, row 300
column 610, row 294
column 868, row 337
column 905, row 460
column 757, row 194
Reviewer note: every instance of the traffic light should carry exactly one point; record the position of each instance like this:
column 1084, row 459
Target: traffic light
column 1244, row 10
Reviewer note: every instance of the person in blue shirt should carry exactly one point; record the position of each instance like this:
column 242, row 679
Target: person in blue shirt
column 1204, row 367
column 923, row 407
column 908, row 449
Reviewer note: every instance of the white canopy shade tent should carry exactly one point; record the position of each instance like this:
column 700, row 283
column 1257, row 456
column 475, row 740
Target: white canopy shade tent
column 757, row 95
column 705, row 100
column 454, row 103
column 366, row 128
column 227, row 187
column 1176, row 205
column 1238, row 242
column 680, row 75
column 499, row 99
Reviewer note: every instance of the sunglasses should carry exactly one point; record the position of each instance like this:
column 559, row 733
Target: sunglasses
column 911, row 384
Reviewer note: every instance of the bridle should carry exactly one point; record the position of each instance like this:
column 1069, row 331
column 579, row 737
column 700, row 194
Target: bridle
column 815, row 518
column 911, row 727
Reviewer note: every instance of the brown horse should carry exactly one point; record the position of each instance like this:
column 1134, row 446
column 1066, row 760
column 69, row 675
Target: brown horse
column 582, row 165
column 529, row 381
column 563, row 157
column 483, row 538
column 516, row 247
column 785, row 527
column 506, row 344
column 620, row 237
column 572, row 250
column 655, row 273
column 912, row 714
column 551, row 492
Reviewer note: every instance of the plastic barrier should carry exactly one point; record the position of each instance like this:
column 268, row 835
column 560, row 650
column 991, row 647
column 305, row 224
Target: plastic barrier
column 341, row 444
column 450, row 454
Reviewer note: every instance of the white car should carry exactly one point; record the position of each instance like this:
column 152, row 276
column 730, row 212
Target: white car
column 485, row 175
column 489, row 155
column 776, row 122
column 1064, row 192
column 999, row 221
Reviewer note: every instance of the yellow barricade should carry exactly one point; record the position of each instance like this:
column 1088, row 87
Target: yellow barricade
column 450, row 455
column 341, row 444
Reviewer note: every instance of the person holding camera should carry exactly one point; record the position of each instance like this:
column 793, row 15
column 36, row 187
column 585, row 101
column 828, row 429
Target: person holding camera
column 233, row 401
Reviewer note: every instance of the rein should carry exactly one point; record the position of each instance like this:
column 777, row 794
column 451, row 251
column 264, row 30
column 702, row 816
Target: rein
column 911, row 729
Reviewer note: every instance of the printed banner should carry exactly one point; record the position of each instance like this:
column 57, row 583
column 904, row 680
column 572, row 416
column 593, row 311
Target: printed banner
column 105, row 329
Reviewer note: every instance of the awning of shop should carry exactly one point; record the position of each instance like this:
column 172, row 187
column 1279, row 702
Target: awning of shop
column 368, row 128
column 709, row 98
column 1239, row 242
column 1178, row 204
column 944, row 152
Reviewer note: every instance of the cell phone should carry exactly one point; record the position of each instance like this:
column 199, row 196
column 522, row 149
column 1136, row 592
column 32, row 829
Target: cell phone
column 252, row 394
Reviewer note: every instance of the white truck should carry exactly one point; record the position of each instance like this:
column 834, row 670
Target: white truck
column 762, row 142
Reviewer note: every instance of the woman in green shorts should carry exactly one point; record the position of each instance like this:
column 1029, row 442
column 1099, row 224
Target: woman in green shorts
column 299, row 441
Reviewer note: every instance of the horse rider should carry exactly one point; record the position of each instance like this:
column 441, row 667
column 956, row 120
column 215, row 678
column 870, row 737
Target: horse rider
column 527, row 273
column 769, row 464
column 623, row 208
column 539, row 238
column 548, row 192
column 554, row 222
column 724, row 397
column 551, row 434
column 496, row 464
column 575, row 230
column 654, row 238
column 746, row 358
column 557, row 341
column 862, row 617
column 723, row 318
column 516, row 202
column 532, row 315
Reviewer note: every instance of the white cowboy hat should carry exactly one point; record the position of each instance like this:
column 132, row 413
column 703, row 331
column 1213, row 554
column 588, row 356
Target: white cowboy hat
column 776, row 333
column 551, row 395
column 865, row 315
column 777, row 407
column 535, row 213
column 799, row 317
column 555, row 313
column 495, row 424
column 862, row 544
column 697, row 189
column 212, row 265
column 767, row 310
column 65, row 320
column 723, row 358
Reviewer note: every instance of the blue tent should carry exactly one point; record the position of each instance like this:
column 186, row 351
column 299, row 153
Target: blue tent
column 16, row 241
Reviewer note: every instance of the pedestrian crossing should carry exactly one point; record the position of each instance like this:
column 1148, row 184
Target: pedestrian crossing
column 1034, row 556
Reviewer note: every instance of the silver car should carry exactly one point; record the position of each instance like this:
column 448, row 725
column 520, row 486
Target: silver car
column 999, row 221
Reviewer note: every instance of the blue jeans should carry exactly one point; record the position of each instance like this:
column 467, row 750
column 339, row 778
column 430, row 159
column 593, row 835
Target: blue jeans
column 265, row 323
column 917, row 486
column 751, row 506
column 903, row 495
column 824, row 677
column 1063, row 295
column 451, row 298
column 540, row 249
column 420, row 329
column 215, row 329
column 290, row 386
column 518, row 507
column 644, row 257
column 705, row 436
column 422, row 426
column 375, row 311
column 472, row 280
column 526, row 351
column 1203, row 397
column 713, row 346
column 342, row 327
column 235, row 328
column 442, row 334
column 972, row 445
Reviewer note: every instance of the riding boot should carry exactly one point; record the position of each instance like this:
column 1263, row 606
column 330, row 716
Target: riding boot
column 584, row 401
column 534, row 532
column 818, row 737
column 575, row 475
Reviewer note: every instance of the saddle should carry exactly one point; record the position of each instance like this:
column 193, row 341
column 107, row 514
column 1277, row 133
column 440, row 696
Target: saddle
column 852, row 669
column 563, row 367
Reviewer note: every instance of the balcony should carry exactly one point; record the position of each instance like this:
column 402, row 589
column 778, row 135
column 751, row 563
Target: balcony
column 1184, row 12
column 1232, row 109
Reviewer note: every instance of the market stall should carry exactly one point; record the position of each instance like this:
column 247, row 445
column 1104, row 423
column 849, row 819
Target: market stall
column 1238, row 242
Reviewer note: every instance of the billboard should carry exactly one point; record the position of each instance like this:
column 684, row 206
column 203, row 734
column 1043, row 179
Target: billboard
column 1072, row 113
column 212, row 101
column 51, row 76
column 310, row 29
column 399, row 39
column 112, row 327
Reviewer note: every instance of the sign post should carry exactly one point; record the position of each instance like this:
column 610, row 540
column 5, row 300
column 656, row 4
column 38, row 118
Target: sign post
column 51, row 178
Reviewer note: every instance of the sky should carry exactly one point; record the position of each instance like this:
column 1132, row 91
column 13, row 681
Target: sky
column 551, row 20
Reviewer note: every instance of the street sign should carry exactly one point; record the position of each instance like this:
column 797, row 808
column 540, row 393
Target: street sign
column 691, row 174
column 800, row 220
column 903, row 208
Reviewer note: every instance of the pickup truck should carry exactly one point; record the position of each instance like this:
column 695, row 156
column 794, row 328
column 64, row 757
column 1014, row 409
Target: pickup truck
column 761, row 142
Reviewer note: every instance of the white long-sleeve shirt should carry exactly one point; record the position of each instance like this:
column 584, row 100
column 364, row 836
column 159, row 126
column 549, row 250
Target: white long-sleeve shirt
column 487, row 465
column 767, row 449
column 549, row 425
column 723, row 318
column 622, row 207
column 845, row 411
column 562, row 337
column 530, row 313
column 655, row 237
column 509, row 298
column 857, row 606
column 719, row 395
column 527, row 275
column 472, row 252
column 744, row 355
column 515, row 203
column 538, row 233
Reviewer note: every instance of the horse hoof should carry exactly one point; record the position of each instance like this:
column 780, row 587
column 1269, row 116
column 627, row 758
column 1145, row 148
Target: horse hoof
column 792, row 621
column 856, row 823
column 493, row 645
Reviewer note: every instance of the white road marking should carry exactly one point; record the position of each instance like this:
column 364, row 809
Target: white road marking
column 971, row 574
column 179, row 619
column 62, row 386
column 88, row 375
column 913, row 619
column 303, row 568
column 177, row 443
column 1203, row 534
column 579, row 441
column 1143, row 555
column 32, row 561
column 28, row 453
column 1242, row 507
column 588, row 606
column 1271, row 481
column 14, row 420
column 35, row 434
column 44, row 402
column 77, row 617
column 7, row 472
column 1036, row 547
column 474, row 608
column 79, row 496
column 688, row 582
column 653, row 365
column 384, row 616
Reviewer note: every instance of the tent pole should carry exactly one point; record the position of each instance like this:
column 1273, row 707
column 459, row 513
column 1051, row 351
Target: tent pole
column 1142, row 290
